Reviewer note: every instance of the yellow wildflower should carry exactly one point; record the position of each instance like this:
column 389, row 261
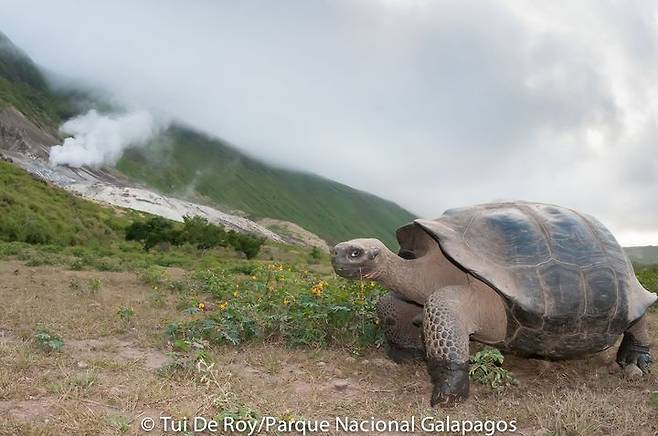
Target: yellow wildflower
column 223, row 305
column 318, row 288
column 201, row 306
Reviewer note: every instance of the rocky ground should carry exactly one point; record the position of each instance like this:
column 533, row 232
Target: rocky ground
column 112, row 372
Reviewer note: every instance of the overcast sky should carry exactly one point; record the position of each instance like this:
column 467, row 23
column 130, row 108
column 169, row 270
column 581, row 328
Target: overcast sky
column 432, row 104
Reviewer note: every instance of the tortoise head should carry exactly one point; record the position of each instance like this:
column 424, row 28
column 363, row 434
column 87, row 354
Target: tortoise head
column 358, row 258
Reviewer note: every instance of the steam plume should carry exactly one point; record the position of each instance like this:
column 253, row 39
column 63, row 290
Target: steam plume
column 98, row 139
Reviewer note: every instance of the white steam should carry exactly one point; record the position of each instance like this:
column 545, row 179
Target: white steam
column 98, row 139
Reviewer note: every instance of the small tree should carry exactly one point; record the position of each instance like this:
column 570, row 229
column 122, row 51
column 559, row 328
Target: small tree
column 316, row 253
column 204, row 235
column 151, row 232
column 247, row 244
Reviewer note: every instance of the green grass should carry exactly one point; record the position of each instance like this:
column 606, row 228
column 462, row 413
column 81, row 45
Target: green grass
column 648, row 276
column 278, row 301
column 182, row 161
column 34, row 212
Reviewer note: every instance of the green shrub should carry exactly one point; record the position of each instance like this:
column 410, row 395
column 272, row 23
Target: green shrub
column 248, row 244
column 278, row 301
column 486, row 368
column 47, row 340
column 152, row 232
column 315, row 255
column 125, row 314
column 200, row 233
column 196, row 231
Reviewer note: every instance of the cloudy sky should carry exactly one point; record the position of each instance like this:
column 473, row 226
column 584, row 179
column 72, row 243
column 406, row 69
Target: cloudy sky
column 432, row 104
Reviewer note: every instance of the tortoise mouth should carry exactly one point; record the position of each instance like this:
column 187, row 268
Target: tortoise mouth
column 349, row 271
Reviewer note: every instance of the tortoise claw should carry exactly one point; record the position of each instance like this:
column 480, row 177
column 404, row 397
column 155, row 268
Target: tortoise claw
column 445, row 400
column 632, row 353
column 451, row 384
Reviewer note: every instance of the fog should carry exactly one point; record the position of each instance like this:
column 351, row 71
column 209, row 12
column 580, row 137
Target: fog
column 432, row 104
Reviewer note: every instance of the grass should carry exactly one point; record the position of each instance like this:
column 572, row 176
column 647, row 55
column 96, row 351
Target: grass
column 34, row 212
column 281, row 302
column 108, row 375
column 182, row 161
column 648, row 276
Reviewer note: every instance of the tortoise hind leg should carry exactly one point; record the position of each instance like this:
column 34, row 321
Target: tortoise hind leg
column 398, row 320
column 634, row 348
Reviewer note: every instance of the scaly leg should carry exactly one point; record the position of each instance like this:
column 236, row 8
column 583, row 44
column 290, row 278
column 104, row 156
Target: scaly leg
column 634, row 348
column 396, row 318
column 446, row 342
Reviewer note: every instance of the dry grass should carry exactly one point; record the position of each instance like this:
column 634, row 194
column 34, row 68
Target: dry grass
column 105, row 378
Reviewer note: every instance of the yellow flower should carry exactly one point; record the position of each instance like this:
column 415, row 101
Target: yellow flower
column 236, row 294
column 253, row 277
column 286, row 302
column 202, row 306
column 317, row 289
column 223, row 305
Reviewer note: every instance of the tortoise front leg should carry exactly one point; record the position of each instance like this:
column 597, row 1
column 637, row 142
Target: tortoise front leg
column 634, row 348
column 396, row 318
column 446, row 343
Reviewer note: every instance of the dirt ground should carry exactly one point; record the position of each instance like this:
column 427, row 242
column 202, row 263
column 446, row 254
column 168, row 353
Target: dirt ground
column 107, row 376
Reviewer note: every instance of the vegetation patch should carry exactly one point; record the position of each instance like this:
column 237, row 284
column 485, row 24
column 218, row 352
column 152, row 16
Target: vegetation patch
column 196, row 231
column 35, row 212
column 182, row 161
column 281, row 302
column 47, row 340
column 487, row 369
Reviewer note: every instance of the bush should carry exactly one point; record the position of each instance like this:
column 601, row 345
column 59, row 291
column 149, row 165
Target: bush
column 247, row 244
column 315, row 254
column 487, row 368
column 47, row 340
column 196, row 231
column 278, row 301
column 152, row 232
column 200, row 233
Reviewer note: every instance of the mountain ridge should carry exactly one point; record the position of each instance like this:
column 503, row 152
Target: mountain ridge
column 194, row 165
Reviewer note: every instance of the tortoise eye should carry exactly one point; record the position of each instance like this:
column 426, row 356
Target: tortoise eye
column 355, row 253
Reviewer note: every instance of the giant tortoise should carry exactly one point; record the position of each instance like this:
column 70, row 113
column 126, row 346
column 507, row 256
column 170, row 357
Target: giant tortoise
column 530, row 278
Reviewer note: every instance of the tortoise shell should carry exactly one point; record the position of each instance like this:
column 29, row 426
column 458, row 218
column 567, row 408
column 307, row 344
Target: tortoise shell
column 563, row 275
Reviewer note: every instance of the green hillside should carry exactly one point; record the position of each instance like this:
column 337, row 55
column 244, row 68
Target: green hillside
column 37, row 213
column 185, row 161
column 23, row 86
column 643, row 255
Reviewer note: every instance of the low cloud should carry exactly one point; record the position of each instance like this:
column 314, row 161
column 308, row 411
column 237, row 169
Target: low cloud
column 433, row 104
column 97, row 139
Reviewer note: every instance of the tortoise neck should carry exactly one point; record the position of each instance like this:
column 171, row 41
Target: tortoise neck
column 416, row 279
column 402, row 277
